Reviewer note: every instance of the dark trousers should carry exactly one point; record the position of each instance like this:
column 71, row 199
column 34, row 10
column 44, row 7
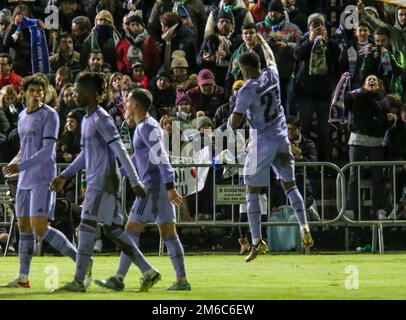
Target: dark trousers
column 307, row 106
column 359, row 153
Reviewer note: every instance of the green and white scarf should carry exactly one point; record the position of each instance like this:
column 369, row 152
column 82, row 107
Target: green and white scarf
column 318, row 60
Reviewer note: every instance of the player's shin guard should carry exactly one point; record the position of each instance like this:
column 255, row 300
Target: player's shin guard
column 59, row 242
column 85, row 248
column 124, row 242
column 254, row 216
column 296, row 201
column 125, row 261
column 25, row 252
column 177, row 255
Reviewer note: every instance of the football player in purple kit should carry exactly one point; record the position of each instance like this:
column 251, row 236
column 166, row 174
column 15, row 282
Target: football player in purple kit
column 35, row 164
column 100, row 145
column 259, row 101
column 156, row 173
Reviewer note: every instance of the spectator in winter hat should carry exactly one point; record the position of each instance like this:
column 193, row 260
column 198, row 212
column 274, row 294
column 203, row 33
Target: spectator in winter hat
column 163, row 92
column 216, row 50
column 180, row 71
column 138, row 75
column 207, row 96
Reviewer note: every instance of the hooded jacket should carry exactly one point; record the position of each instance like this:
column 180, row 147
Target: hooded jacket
column 397, row 32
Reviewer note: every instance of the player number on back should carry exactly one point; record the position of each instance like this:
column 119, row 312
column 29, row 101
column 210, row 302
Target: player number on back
column 272, row 109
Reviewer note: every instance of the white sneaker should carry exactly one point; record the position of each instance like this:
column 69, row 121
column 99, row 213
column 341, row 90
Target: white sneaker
column 98, row 246
column 382, row 215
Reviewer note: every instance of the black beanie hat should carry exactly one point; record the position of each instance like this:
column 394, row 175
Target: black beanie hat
column 136, row 18
column 225, row 15
column 276, row 5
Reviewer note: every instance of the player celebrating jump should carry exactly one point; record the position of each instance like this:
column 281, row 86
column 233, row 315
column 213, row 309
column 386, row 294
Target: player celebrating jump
column 259, row 100
column 152, row 163
column 101, row 144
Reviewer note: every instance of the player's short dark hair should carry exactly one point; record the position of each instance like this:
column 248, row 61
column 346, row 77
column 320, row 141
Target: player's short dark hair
column 7, row 56
column 34, row 80
column 143, row 97
column 249, row 26
column 93, row 81
column 250, row 59
column 294, row 121
column 382, row 31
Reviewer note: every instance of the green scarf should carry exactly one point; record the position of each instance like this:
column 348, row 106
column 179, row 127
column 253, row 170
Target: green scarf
column 318, row 60
column 126, row 137
column 228, row 7
column 235, row 65
column 275, row 27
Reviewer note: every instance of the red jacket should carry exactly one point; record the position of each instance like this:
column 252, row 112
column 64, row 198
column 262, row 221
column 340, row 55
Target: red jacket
column 13, row 79
column 259, row 12
column 143, row 83
column 152, row 59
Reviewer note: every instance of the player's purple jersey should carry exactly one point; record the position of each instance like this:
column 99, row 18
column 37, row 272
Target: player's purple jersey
column 38, row 132
column 100, row 143
column 150, row 158
column 259, row 99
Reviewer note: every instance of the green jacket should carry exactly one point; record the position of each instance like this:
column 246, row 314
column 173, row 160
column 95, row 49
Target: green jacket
column 393, row 80
column 397, row 33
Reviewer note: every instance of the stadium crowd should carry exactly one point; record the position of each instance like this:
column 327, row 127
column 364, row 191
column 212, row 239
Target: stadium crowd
column 186, row 53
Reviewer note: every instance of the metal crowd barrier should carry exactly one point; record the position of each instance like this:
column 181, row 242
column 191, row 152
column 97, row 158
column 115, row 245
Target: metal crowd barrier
column 377, row 225
column 339, row 220
column 214, row 222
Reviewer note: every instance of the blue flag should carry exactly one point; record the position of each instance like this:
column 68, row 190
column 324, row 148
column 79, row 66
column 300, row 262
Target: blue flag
column 39, row 47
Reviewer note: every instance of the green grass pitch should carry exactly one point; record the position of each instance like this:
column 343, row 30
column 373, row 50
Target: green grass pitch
column 315, row 276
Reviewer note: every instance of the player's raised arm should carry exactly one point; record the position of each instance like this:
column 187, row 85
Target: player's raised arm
column 268, row 53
